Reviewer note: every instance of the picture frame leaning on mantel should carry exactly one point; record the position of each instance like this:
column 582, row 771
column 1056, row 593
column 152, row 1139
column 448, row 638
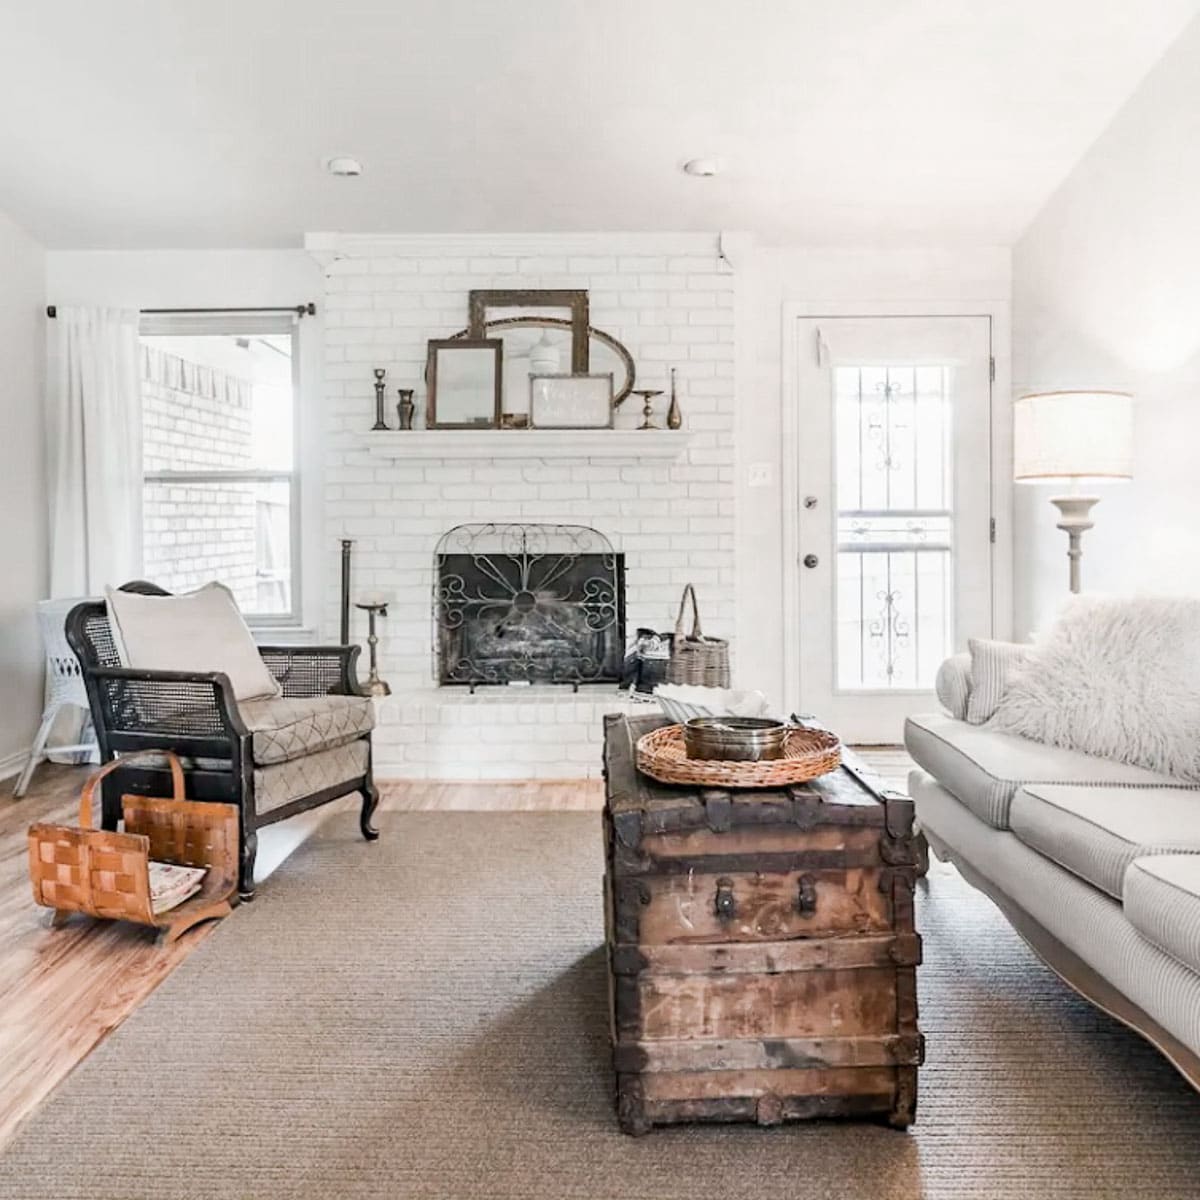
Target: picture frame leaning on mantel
column 463, row 377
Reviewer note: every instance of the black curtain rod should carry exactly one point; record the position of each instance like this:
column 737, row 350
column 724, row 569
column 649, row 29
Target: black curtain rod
column 301, row 310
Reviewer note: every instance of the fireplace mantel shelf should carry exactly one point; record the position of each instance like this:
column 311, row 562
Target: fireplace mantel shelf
column 663, row 444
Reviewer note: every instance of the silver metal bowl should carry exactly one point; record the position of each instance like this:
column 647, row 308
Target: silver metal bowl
column 735, row 739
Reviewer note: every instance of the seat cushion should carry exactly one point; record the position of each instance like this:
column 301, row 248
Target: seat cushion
column 1096, row 832
column 284, row 783
column 1162, row 902
column 291, row 727
column 983, row 768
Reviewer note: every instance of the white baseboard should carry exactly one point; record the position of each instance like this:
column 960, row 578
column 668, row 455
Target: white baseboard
column 11, row 764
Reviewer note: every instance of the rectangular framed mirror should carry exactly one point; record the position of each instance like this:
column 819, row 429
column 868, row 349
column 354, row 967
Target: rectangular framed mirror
column 463, row 376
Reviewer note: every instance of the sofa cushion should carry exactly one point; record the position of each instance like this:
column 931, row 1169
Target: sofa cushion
column 953, row 685
column 1162, row 902
column 1096, row 833
column 983, row 768
column 991, row 665
column 291, row 727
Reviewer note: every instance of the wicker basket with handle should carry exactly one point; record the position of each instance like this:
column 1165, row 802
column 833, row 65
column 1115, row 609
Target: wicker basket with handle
column 105, row 873
column 695, row 658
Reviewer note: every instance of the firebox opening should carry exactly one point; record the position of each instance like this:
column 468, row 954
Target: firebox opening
column 537, row 603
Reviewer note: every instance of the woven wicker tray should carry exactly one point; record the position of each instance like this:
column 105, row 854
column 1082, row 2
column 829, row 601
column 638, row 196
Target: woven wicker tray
column 808, row 753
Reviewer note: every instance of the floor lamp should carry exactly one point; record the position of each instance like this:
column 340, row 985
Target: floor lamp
column 1073, row 438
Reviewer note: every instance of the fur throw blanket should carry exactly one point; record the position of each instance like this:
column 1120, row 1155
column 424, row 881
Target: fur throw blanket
column 1114, row 677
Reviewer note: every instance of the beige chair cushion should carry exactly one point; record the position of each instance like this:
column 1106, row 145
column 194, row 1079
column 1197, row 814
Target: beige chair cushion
column 198, row 632
column 291, row 727
column 282, row 783
column 983, row 769
column 1162, row 902
column 1096, row 833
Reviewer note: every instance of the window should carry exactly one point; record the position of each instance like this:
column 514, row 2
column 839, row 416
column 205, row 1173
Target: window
column 220, row 492
column 894, row 532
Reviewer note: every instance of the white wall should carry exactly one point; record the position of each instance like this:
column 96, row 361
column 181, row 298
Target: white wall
column 218, row 279
column 829, row 282
column 670, row 301
column 1106, row 293
column 22, row 499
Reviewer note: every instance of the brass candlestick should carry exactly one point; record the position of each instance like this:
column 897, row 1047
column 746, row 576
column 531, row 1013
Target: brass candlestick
column 375, row 685
column 380, row 375
column 647, row 395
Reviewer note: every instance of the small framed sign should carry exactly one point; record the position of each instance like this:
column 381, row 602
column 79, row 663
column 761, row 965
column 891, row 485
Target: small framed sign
column 571, row 401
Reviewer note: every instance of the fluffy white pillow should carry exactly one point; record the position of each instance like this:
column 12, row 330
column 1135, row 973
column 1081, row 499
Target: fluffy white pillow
column 1119, row 678
column 991, row 665
column 194, row 631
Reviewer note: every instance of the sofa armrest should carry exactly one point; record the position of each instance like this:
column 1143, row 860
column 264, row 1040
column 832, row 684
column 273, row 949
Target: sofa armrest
column 314, row 670
column 953, row 685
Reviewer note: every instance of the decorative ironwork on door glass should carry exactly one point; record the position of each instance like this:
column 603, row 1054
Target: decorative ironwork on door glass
column 528, row 604
column 895, row 525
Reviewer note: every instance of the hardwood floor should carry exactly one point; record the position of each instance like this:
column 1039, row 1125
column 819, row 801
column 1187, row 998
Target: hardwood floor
column 63, row 990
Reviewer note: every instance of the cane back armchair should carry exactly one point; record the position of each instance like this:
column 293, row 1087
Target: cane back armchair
column 271, row 758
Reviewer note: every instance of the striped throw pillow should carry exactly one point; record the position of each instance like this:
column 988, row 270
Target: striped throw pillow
column 991, row 665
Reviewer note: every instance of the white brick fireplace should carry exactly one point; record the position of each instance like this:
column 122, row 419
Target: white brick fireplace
column 665, row 500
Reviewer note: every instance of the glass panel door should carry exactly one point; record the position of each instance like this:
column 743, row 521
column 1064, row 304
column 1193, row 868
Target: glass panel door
column 894, row 485
column 893, row 465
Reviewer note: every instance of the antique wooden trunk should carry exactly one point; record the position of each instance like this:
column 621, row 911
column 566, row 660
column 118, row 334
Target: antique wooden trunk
column 761, row 948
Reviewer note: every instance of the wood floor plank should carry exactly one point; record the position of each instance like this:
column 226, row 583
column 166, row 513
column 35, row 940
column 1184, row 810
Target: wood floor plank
column 63, row 990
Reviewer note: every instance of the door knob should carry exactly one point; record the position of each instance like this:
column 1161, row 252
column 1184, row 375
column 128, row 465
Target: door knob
column 811, row 560
column 810, row 502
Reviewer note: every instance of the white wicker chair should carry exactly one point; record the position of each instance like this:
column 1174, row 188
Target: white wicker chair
column 64, row 688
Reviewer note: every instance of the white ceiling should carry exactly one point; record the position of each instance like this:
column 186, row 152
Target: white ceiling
column 180, row 123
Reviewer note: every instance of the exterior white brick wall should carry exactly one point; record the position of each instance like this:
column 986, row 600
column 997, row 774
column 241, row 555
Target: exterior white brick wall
column 670, row 300
column 197, row 418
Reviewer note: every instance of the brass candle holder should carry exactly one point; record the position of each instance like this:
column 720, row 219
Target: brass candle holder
column 374, row 609
column 647, row 395
column 380, row 385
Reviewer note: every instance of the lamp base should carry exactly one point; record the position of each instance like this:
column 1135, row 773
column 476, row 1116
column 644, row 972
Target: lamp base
column 1075, row 521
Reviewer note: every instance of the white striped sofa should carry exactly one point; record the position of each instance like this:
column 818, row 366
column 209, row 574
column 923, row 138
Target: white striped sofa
column 1095, row 863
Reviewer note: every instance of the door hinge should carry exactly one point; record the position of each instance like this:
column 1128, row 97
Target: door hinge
column 992, row 530
column 992, row 367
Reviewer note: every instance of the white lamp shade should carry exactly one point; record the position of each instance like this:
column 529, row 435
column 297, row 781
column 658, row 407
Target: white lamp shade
column 1073, row 435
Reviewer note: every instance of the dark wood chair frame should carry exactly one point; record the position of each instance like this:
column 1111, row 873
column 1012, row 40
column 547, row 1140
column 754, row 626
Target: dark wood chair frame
column 196, row 716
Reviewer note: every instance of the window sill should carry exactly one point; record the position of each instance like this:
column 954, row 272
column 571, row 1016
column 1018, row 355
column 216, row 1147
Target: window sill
column 284, row 635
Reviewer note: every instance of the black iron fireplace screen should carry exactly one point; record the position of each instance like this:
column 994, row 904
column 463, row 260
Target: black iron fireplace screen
column 528, row 604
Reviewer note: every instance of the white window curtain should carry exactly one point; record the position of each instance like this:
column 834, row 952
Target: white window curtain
column 94, row 447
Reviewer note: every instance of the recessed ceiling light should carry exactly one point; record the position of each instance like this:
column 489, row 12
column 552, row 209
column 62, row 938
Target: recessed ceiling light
column 343, row 164
column 703, row 167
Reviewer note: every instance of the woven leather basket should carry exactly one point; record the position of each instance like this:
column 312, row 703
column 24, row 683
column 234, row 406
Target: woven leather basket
column 662, row 755
column 105, row 873
column 695, row 658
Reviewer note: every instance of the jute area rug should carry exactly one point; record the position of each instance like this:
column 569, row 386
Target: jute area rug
column 425, row 1017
